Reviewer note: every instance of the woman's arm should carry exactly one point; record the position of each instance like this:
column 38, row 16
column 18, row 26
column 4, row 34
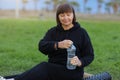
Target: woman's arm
column 47, row 44
column 87, row 50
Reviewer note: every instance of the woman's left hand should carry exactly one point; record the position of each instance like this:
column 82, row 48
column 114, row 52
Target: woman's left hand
column 75, row 61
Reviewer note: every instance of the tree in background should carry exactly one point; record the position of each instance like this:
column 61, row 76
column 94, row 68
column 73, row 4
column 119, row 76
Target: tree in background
column 56, row 2
column 35, row 4
column 48, row 3
column 115, row 6
column 108, row 6
column 99, row 5
column 0, row 5
column 88, row 10
column 17, row 9
column 76, row 5
column 24, row 2
column 85, row 2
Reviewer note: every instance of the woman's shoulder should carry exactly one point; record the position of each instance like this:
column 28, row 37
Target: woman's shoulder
column 82, row 29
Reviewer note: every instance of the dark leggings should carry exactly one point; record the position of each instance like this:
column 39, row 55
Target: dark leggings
column 38, row 72
column 49, row 71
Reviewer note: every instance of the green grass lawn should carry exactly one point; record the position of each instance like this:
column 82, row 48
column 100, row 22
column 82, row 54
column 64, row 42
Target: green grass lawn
column 19, row 45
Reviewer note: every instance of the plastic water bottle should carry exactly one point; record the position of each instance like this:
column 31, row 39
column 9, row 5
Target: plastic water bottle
column 70, row 54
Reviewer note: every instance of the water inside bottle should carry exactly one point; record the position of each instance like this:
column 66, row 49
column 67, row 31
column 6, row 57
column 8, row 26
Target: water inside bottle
column 70, row 55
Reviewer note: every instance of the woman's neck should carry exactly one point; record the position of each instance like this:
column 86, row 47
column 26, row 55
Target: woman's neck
column 67, row 27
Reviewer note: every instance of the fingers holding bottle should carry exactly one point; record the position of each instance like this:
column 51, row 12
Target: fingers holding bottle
column 75, row 61
column 65, row 44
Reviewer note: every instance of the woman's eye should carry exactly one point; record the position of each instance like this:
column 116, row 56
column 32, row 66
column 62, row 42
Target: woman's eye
column 62, row 15
column 68, row 14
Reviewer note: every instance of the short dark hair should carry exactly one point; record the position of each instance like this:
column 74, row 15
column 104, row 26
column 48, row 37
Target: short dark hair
column 65, row 8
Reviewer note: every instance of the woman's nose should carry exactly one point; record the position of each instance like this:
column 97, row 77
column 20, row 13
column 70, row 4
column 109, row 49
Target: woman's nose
column 65, row 17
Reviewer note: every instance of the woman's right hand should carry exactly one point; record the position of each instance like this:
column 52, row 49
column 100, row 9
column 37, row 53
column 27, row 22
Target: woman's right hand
column 65, row 44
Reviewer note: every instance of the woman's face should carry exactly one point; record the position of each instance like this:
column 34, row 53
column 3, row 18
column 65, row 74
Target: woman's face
column 66, row 19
